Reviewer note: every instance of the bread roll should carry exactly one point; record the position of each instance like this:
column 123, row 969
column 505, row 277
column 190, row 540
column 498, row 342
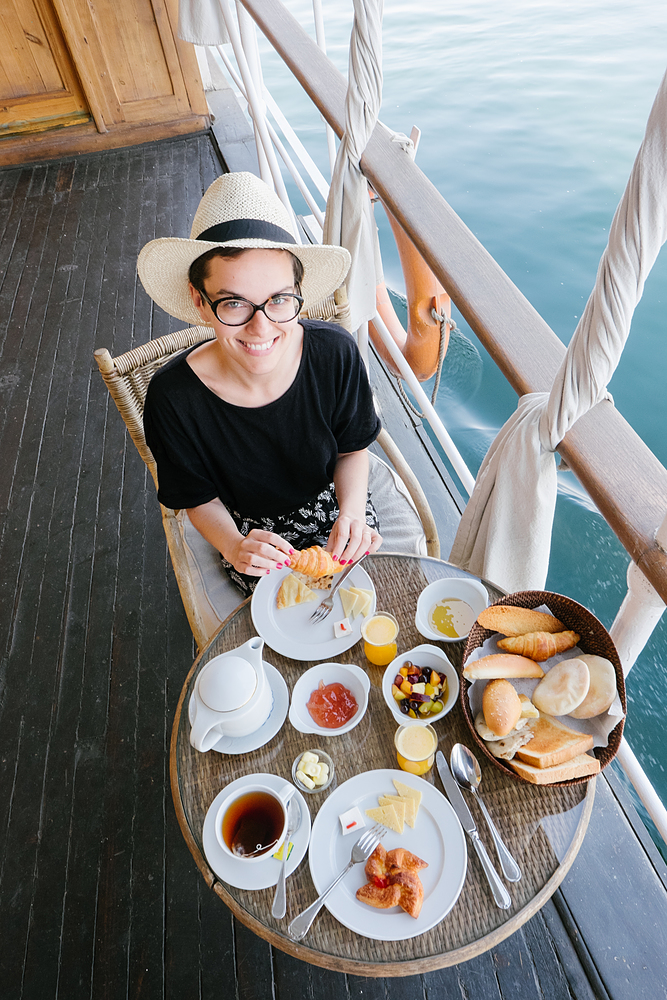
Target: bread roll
column 501, row 707
column 528, row 710
column 602, row 689
column 564, row 687
column 578, row 767
column 517, row 621
column 501, row 665
column 540, row 645
column 553, row 743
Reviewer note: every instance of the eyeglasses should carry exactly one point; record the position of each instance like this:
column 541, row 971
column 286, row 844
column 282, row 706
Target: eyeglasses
column 237, row 311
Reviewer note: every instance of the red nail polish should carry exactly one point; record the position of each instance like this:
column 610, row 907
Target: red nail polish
column 279, row 566
column 335, row 558
column 291, row 552
column 268, row 571
column 287, row 562
column 366, row 553
column 342, row 562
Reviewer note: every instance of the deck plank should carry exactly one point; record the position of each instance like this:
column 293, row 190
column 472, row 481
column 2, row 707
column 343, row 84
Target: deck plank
column 99, row 897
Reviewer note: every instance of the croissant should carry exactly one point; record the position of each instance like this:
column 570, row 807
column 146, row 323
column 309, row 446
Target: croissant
column 393, row 880
column 314, row 562
column 540, row 645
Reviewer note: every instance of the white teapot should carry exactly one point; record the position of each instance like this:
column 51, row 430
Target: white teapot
column 232, row 696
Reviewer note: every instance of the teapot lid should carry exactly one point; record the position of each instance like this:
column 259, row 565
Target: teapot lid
column 227, row 683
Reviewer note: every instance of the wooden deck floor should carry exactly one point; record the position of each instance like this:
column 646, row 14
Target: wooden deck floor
column 99, row 897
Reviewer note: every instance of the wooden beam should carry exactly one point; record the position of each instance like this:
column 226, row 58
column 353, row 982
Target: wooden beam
column 621, row 474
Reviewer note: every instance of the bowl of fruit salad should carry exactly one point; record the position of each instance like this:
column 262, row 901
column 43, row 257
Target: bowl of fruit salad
column 420, row 686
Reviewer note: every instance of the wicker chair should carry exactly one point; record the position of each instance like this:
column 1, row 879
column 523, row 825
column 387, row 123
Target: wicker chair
column 127, row 378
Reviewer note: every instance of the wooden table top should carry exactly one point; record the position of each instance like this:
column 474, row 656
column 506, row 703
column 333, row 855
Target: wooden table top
column 542, row 826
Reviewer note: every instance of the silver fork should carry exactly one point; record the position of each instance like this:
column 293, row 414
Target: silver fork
column 361, row 851
column 324, row 609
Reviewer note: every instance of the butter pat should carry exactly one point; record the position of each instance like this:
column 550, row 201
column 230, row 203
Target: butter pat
column 342, row 628
column 279, row 853
column 351, row 820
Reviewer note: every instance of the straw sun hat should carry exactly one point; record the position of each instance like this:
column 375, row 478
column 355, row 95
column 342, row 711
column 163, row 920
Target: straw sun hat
column 238, row 210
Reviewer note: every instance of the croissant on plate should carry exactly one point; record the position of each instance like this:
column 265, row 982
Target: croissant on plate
column 314, row 562
column 393, row 881
column 540, row 645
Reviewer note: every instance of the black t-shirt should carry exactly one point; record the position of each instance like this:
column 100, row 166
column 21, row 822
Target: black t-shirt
column 264, row 460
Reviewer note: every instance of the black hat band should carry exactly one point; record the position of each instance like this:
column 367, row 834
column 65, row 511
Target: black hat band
column 246, row 229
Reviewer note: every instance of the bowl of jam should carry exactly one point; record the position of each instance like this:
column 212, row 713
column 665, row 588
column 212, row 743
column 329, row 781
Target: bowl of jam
column 329, row 699
column 448, row 609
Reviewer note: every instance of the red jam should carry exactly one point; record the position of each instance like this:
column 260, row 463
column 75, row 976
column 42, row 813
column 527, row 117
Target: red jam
column 331, row 705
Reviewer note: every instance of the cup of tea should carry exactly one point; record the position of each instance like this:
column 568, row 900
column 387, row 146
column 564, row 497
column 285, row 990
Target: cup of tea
column 251, row 824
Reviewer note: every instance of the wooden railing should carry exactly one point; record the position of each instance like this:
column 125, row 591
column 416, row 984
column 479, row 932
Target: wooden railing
column 622, row 476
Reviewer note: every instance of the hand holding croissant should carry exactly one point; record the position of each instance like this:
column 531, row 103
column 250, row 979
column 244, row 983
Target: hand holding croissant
column 314, row 561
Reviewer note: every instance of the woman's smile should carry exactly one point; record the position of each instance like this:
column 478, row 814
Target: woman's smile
column 255, row 347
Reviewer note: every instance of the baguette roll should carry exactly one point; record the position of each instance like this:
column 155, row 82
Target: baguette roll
column 501, row 665
column 517, row 621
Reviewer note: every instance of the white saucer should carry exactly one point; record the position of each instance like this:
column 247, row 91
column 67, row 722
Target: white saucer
column 261, row 736
column 253, row 874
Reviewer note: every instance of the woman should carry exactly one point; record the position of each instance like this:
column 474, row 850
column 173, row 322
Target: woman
column 261, row 434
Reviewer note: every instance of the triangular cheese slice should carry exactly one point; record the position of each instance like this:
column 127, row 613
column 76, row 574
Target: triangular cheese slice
column 411, row 806
column 365, row 597
column 400, row 805
column 387, row 816
column 348, row 600
column 408, row 791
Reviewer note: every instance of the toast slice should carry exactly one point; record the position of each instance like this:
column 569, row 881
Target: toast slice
column 580, row 766
column 552, row 743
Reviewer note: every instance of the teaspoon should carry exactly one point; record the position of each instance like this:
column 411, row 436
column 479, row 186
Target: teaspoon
column 467, row 773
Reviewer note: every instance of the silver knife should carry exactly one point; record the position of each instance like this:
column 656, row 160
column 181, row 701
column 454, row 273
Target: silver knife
column 500, row 893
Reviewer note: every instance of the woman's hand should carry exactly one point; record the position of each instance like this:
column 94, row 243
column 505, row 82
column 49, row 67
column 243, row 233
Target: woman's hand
column 351, row 538
column 258, row 552
column 255, row 554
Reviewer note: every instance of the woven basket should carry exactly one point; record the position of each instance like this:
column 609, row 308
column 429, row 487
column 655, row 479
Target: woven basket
column 594, row 639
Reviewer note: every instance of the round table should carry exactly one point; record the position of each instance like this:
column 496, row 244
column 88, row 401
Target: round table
column 542, row 826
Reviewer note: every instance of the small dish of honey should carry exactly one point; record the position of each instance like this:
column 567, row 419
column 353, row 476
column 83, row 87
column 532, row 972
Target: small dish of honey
column 448, row 608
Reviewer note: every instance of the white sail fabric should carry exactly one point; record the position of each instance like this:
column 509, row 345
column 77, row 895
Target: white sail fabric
column 201, row 22
column 349, row 218
column 505, row 531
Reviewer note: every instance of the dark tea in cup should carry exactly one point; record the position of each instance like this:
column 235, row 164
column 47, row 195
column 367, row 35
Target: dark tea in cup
column 253, row 824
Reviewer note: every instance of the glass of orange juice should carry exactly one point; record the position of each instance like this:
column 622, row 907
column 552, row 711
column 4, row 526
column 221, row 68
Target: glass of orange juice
column 379, row 633
column 415, row 748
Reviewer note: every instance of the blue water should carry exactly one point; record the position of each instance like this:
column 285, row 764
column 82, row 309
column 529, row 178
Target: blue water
column 531, row 116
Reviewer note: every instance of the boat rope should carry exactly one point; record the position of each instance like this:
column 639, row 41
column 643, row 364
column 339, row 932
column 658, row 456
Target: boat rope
column 445, row 321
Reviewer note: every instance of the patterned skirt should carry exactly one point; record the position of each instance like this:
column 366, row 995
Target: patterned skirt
column 309, row 525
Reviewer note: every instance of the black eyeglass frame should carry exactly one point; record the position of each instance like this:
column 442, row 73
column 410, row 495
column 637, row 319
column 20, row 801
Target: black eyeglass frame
column 255, row 308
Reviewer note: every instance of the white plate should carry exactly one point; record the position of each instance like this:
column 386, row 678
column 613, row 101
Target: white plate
column 261, row 736
column 256, row 874
column 437, row 839
column 290, row 633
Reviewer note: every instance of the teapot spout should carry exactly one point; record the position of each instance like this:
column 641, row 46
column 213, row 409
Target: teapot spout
column 252, row 651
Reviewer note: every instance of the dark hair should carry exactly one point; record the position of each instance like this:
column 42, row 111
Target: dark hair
column 198, row 272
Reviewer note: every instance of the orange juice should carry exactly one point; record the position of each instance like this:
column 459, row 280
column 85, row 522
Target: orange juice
column 415, row 748
column 380, row 634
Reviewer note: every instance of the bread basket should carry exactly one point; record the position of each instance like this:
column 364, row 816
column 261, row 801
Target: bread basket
column 594, row 639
